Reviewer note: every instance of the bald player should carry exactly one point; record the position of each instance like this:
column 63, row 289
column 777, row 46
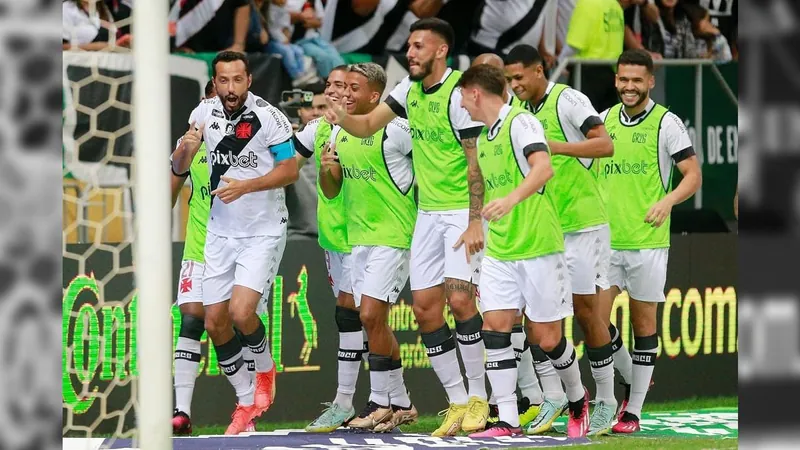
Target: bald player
column 530, row 401
column 496, row 61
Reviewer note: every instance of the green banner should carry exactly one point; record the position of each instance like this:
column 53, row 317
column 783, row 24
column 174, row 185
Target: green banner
column 718, row 139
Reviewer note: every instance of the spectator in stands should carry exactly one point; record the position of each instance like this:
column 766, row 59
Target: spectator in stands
column 306, row 20
column 725, row 16
column 294, row 58
column 711, row 43
column 493, row 32
column 121, row 12
column 257, row 34
column 89, row 25
column 203, row 29
column 596, row 32
column 687, row 32
column 641, row 28
column 370, row 26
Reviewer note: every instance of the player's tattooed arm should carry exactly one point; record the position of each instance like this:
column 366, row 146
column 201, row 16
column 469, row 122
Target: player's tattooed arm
column 474, row 178
column 472, row 237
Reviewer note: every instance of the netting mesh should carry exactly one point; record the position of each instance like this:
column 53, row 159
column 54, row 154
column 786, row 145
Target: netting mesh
column 99, row 298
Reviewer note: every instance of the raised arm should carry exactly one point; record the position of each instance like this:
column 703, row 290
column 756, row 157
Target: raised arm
column 364, row 125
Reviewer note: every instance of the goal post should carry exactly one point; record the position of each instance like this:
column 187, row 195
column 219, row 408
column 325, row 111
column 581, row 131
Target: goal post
column 153, row 243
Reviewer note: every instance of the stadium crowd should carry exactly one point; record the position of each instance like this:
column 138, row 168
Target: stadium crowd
column 311, row 35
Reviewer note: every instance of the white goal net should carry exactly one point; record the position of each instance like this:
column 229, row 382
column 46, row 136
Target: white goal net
column 105, row 295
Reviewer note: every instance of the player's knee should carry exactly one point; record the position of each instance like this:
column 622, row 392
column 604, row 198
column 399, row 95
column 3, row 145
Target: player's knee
column 371, row 319
column 585, row 316
column 426, row 312
column 215, row 324
column 462, row 304
column 347, row 320
column 549, row 341
column 240, row 314
column 192, row 327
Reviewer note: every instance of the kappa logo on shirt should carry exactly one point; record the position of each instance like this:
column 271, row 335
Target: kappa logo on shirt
column 214, row 126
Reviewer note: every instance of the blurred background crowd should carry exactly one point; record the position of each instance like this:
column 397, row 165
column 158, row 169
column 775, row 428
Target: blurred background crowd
column 311, row 35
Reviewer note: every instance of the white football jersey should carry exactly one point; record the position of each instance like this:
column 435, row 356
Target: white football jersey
column 242, row 146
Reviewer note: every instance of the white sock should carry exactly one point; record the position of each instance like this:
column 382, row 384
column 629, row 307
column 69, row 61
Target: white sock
column 601, row 361
column 551, row 382
column 563, row 359
column 350, row 352
column 526, row 376
column 249, row 362
column 622, row 359
column 187, row 360
column 441, row 349
column 230, row 360
column 501, row 368
column 473, row 354
column 257, row 342
column 398, row 394
column 644, row 361
column 379, row 367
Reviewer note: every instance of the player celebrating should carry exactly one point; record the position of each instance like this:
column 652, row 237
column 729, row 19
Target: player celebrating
column 333, row 239
column 450, row 200
column 529, row 404
column 251, row 158
column 190, row 288
column 380, row 207
column 524, row 266
column 638, row 184
column 577, row 137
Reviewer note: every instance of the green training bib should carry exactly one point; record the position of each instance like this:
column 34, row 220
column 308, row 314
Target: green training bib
column 531, row 229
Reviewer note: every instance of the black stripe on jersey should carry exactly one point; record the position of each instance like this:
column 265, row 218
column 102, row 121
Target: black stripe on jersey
column 589, row 123
column 533, row 148
column 304, row 152
column 386, row 164
column 230, row 145
column 391, row 21
column 346, row 20
column 686, row 153
column 396, row 107
column 516, row 32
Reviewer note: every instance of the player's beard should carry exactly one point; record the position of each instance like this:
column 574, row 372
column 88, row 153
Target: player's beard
column 642, row 96
column 425, row 69
column 232, row 102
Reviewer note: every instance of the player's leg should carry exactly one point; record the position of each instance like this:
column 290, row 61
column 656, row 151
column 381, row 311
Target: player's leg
column 350, row 348
column 501, row 300
column 616, row 280
column 385, row 271
column 583, row 254
column 548, row 296
column 647, row 277
column 256, row 267
column 427, row 290
column 459, row 280
column 395, row 262
column 187, row 351
column 218, row 281
column 532, row 397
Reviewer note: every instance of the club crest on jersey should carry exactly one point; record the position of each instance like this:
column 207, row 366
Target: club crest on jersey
column 244, row 130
